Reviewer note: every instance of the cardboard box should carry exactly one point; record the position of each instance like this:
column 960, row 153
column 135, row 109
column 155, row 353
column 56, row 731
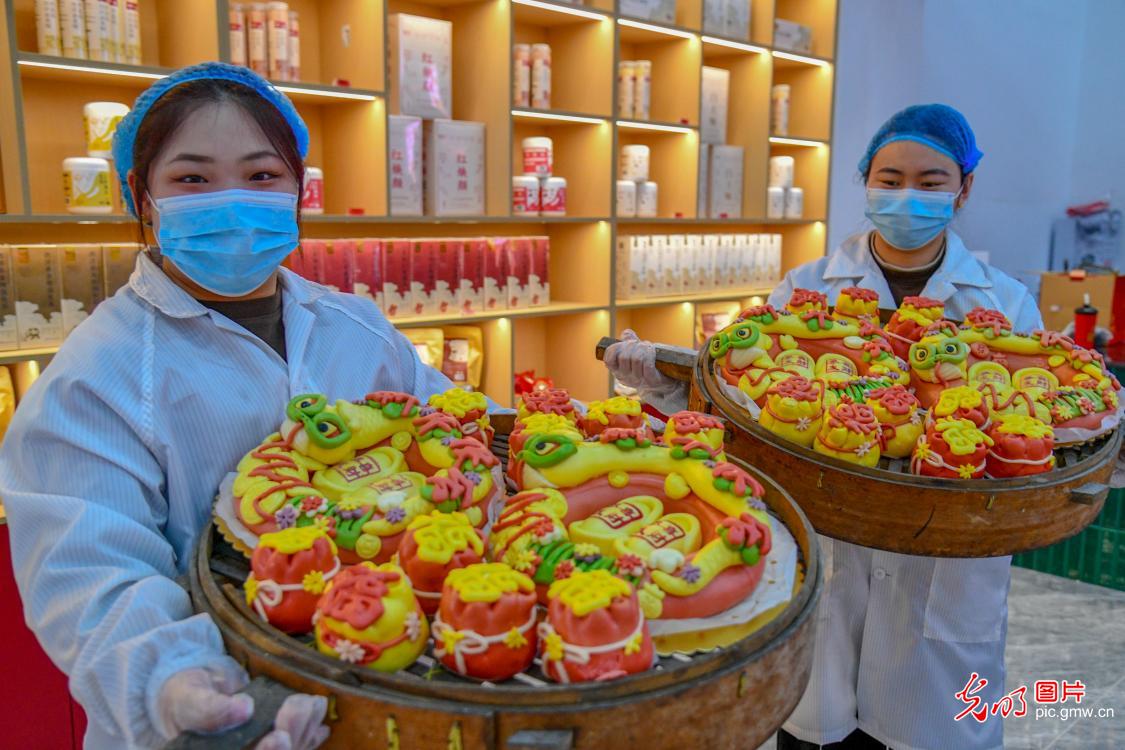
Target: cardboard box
column 725, row 199
column 454, row 174
column 369, row 271
column 685, row 264
column 775, row 258
column 38, row 281
column 339, row 265
column 1059, row 296
column 661, row 11
column 9, row 334
column 470, row 287
column 715, row 93
column 423, row 262
column 540, row 271
column 629, row 268
column 118, row 263
column 792, row 36
column 737, row 19
column 728, row 252
column 421, row 59
column 713, row 264
column 404, row 145
column 519, row 273
column 312, row 260
column 82, row 285
column 396, row 278
column 443, row 296
column 496, row 274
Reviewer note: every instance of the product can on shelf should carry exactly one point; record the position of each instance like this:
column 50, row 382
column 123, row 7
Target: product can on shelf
column 775, row 203
column 294, row 46
column 93, row 30
column 794, row 203
column 237, row 25
column 86, row 185
column 541, row 76
column 130, row 35
column 72, row 28
column 525, row 195
column 312, row 197
column 647, row 200
column 100, row 121
column 626, row 86
column 277, row 35
column 626, row 198
column 642, row 89
column 779, row 109
column 257, row 48
column 538, row 156
column 634, row 162
column 521, row 75
column 781, row 171
column 552, row 197
column 111, row 33
column 47, row 27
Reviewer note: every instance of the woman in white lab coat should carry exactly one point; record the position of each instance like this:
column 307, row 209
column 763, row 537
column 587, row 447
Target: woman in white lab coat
column 899, row 636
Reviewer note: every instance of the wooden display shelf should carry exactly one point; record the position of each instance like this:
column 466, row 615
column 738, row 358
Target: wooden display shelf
column 819, row 15
column 544, row 13
column 325, row 57
column 674, row 91
column 16, row 356
column 583, row 155
column 718, row 295
column 349, row 142
column 562, row 347
column 629, row 225
column 810, row 105
column 673, row 167
column 555, row 308
column 446, row 220
column 553, row 118
column 582, row 70
column 810, row 173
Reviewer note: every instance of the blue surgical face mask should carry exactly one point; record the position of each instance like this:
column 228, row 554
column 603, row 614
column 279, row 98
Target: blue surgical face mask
column 229, row 242
column 908, row 219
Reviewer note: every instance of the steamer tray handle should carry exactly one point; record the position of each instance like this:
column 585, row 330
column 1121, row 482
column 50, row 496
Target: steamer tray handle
column 268, row 697
column 542, row 739
column 674, row 361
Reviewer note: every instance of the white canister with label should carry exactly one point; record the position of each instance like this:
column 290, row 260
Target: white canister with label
column 781, row 171
column 775, row 203
column 553, row 197
column 642, row 89
column 47, row 27
column 626, row 85
column 647, row 200
column 626, row 198
column 72, row 28
column 236, row 23
column 525, row 195
column 257, row 44
column 312, row 197
column 86, row 185
column 541, row 76
column 277, row 37
column 635, row 162
column 538, row 156
column 100, row 120
column 794, row 203
column 294, row 46
column 779, row 109
column 521, row 75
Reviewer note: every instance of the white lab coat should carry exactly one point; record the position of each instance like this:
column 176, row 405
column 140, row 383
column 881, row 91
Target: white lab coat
column 111, row 463
column 898, row 636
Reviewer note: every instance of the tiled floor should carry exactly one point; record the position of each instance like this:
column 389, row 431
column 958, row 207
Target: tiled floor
column 1061, row 629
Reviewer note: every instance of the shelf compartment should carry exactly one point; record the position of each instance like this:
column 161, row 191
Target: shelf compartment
column 324, row 57
column 819, row 15
column 810, row 103
column 541, row 13
column 669, row 323
column 582, row 74
column 583, row 155
column 348, row 141
column 673, row 167
column 562, row 347
column 674, row 93
column 477, row 25
column 810, row 173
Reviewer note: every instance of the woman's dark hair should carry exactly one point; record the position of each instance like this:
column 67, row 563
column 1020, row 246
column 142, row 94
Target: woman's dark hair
column 171, row 110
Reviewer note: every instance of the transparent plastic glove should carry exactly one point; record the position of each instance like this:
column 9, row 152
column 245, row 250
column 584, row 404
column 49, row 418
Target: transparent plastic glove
column 633, row 362
column 299, row 724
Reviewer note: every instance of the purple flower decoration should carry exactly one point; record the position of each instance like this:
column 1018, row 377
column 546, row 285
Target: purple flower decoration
column 710, row 464
column 475, row 478
column 286, row 517
column 588, row 559
column 396, row 515
column 447, row 441
column 756, row 504
column 690, row 573
column 426, row 411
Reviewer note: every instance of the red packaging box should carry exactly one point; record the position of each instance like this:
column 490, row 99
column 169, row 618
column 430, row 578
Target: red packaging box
column 470, row 275
column 312, row 260
column 519, row 272
column 496, row 274
column 422, row 266
column 369, row 270
column 540, row 271
column 396, row 277
column 295, row 262
column 339, row 265
column 443, row 298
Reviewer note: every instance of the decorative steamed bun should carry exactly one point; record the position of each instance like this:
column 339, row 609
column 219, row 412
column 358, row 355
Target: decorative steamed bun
column 288, row 572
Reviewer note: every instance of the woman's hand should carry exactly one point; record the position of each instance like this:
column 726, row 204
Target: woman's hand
column 207, row 701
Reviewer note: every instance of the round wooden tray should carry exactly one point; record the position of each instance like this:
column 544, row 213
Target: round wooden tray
column 734, row 697
column 889, row 508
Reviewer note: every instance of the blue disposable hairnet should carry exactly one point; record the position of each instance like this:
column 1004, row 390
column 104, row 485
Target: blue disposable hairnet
column 126, row 135
column 938, row 126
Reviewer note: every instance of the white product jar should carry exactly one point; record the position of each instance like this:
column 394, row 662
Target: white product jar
column 86, row 185
column 647, row 200
column 553, row 197
column 781, row 171
column 775, row 203
column 312, row 197
column 634, row 163
column 538, row 156
column 626, row 198
column 794, row 203
column 100, row 120
column 525, row 195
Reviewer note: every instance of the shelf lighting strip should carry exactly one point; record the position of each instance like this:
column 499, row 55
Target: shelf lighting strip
column 656, row 29
column 532, row 114
column 734, row 45
column 801, row 59
column 560, row 9
column 148, row 76
column 794, row 141
column 652, row 126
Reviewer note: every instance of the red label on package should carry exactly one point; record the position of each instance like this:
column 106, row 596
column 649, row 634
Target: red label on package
column 537, row 161
column 540, row 270
column 553, row 198
column 470, row 272
column 313, row 195
column 368, row 269
column 422, row 266
column 312, row 260
column 339, row 265
column 396, row 277
column 444, row 295
column 519, row 271
column 496, row 274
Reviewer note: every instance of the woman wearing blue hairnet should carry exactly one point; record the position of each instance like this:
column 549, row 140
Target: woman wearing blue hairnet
column 113, row 458
column 899, row 636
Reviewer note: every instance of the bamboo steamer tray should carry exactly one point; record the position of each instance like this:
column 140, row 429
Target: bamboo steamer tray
column 735, row 697
column 887, row 507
